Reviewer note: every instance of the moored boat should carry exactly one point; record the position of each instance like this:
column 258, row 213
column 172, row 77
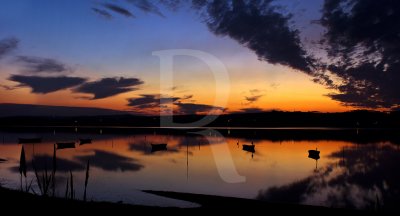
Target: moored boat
column 314, row 154
column 249, row 148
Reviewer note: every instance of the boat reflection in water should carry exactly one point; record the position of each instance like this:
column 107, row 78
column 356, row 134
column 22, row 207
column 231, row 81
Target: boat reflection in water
column 123, row 160
column 158, row 147
column 65, row 145
column 85, row 141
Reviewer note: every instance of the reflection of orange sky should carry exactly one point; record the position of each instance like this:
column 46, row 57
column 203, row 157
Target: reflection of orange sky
column 274, row 163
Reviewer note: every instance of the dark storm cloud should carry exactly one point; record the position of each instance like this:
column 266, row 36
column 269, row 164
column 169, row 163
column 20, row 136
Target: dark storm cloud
column 111, row 162
column 192, row 108
column 42, row 65
column 146, row 6
column 150, row 101
column 108, row 87
column 258, row 26
column 362, row 39
column 102, row 13
column 118, row 9
column 7, row 45
column 44, row 85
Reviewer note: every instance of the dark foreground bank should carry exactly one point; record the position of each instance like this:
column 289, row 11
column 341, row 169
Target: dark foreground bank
column 28, row 203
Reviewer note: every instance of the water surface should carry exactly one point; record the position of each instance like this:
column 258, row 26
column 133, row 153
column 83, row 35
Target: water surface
column 355, row 169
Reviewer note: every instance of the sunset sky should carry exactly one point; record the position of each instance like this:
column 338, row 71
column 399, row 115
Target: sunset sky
column 82, row 43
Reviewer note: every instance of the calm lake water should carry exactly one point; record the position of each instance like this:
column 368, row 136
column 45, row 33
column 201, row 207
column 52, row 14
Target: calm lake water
column 357, row 168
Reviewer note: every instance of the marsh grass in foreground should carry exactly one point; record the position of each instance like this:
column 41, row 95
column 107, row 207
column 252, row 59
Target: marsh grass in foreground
column 46, row 179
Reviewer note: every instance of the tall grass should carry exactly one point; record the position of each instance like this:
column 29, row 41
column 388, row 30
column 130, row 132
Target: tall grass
column 23, row 169
column 86, row 180
column 22, row 165
column 46, row 180
column 69, row 190
column 54, row 169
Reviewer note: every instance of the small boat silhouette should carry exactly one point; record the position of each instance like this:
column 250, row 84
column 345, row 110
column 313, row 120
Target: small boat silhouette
column 29, row 140
column 65, row 145
column 314, row 154
column 249, row 148
column 85, row 141
column 158, row 147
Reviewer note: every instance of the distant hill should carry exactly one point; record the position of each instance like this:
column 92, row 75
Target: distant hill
column 37, row 115
column 9, row 110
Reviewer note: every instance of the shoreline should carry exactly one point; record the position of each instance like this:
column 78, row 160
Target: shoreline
column 202, row 127
column 31, row 203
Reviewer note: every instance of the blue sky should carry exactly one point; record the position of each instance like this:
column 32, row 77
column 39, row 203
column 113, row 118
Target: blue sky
column 95, row 47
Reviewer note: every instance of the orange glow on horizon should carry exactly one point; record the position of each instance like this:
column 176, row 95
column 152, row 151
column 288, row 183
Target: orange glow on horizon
column 290, row 91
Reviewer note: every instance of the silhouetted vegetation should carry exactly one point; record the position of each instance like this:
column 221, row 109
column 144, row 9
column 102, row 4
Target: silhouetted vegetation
column 354, row 119
column 30, row 202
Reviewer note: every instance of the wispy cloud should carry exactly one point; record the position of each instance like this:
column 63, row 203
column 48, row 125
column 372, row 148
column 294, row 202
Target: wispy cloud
column 274, row 85
column 187, row 97
column 150, row 101
column 102, row 13
column 251, row 110
column 8, row 88
column 156, row 103
column 193, row 108
column 7, row 45
column 118, row 9
column 254, row 96
column 146, row 6
column 34, row 64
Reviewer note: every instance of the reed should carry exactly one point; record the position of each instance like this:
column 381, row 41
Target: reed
column 72, row 193
column 54, row 169
column 66, row 189
column 86, row 180
column 44, row 180
column 22, row 165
